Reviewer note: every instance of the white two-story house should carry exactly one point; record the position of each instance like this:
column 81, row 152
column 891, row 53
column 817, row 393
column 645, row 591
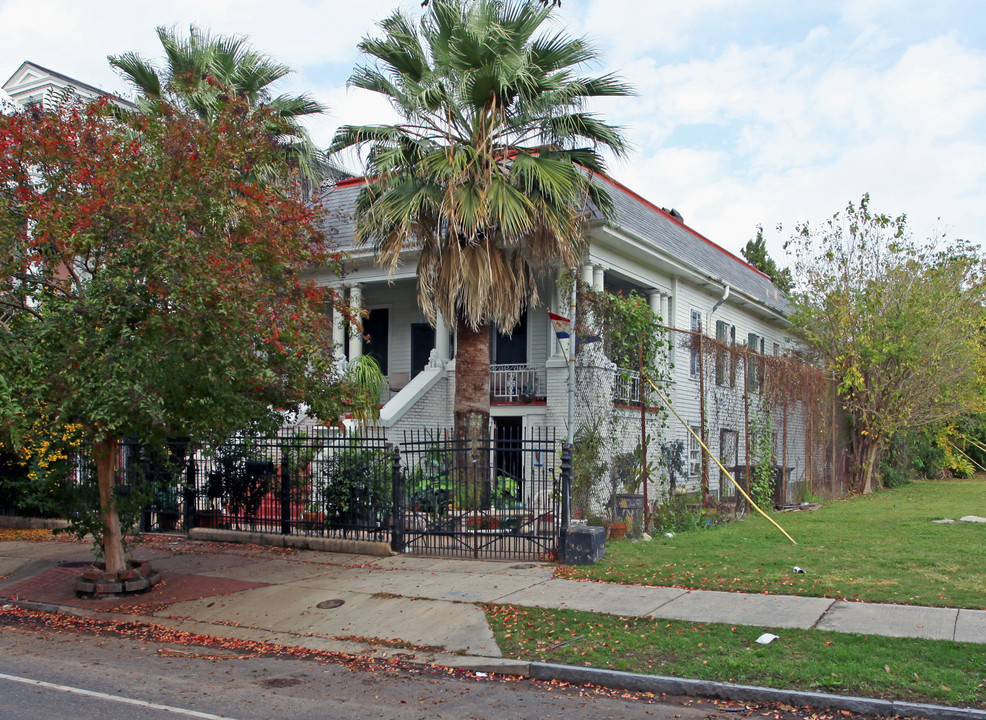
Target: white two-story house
column 694, row 285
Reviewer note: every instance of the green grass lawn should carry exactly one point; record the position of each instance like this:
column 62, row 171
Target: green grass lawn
column 878, row 548
column 892, row 668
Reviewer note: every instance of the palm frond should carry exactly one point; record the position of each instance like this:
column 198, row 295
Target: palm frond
column 292, row 106
column 201, row 71
column 484, row 176
column 138, row 72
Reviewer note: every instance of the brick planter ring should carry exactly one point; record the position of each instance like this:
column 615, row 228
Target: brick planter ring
column 96, row 583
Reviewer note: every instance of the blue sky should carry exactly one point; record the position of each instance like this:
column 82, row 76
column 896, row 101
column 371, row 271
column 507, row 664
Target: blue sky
column 748, row 111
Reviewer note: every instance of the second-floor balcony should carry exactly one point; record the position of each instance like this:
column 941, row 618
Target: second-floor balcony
column 519, row 383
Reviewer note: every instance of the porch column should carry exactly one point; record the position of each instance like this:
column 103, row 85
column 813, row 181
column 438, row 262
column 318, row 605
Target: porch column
column 598, row 281
column 338, row 328
column 673, row 303
column 355, row 337
column 587, row 274
column 655, row 298
column 441, row 339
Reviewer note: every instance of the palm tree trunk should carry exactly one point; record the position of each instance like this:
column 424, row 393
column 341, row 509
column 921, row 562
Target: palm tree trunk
column 472, row 381
column 113, row 553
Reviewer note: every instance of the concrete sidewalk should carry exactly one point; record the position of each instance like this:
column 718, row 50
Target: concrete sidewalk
column 351, row 603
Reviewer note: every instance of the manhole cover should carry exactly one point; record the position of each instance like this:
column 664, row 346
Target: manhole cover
column 331, row 604
column 522, row 567
column 281, row 682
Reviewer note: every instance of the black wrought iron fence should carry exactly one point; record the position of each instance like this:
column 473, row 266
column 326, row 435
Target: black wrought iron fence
column 498, row 497
column 320, row 483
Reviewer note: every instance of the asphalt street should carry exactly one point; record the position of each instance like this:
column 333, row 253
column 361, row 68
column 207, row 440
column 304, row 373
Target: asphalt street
column 103, row 678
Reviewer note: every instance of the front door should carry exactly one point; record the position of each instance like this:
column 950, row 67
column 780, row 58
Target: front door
column 422, row 343
column 376, row 329
column 508, row 437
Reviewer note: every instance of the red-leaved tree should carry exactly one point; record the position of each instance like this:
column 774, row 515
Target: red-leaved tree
column 152, row 286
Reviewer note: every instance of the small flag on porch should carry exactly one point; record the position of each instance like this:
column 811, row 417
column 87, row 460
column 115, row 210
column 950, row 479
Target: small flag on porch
column 562, row 326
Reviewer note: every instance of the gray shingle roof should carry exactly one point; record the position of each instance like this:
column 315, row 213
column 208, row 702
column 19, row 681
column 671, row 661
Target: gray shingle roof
column 675, row 239
column 339, row 200
column 632, row 213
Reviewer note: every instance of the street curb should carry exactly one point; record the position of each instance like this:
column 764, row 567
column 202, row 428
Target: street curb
column 299, row 542
column 479, row 663
column 17, row 522
column 727, row 691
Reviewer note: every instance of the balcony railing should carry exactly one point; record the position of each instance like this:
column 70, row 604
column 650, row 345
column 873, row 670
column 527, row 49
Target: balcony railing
column 517, row 383
column 626, row 387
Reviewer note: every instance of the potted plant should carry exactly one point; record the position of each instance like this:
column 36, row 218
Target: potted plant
column 355, row 491
column 616, row 531
column 483, row 522
column 628, row 471
column 238, row 485
column 588, row 467
column 165, row 505
column 505, row 494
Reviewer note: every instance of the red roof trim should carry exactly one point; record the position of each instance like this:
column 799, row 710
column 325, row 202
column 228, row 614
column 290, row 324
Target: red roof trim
column 351, row 181
column 675, row 220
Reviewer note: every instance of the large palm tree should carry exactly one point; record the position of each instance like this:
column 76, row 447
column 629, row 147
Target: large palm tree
column 488, row 176
column 203, row 69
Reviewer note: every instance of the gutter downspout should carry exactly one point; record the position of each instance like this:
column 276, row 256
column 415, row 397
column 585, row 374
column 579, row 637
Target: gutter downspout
column 725, row 296
column 701, row 388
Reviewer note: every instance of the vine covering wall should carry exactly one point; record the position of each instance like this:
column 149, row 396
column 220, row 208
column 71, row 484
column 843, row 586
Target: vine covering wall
column 791, row 439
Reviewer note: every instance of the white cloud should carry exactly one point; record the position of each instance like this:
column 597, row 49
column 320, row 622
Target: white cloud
column 74, row 37
column 348, row 106
column 660, row 27
column 748, row 111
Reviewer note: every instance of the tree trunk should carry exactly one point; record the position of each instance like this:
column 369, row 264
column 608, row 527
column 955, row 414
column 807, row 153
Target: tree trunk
column 867, row 458
column 472, row 381
column 112, row 540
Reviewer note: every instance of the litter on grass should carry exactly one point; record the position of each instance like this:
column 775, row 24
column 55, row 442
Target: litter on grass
column 767, row 638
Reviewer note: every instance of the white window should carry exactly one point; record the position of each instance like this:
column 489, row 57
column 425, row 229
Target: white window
column 694, row 453
column 725, row 361
column 696, row 362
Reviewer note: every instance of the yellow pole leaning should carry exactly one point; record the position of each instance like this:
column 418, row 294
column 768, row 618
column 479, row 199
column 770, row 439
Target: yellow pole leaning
column 966, row 455
column 721, row 466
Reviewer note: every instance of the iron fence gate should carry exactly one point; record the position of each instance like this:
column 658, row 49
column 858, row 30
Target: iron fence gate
column 494, row 498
